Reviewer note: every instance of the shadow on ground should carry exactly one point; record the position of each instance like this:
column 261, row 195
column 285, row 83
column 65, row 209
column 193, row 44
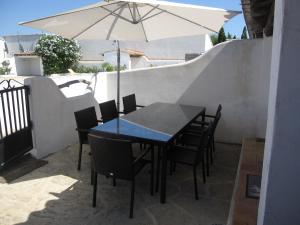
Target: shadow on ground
column 58, row 194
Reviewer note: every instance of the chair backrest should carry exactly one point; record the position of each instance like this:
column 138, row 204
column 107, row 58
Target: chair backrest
column 219, row 109
column 129, row 103
column 215, row 124
column 85, row 119
column 204, row 142
column 108, row 110
column 112, row 157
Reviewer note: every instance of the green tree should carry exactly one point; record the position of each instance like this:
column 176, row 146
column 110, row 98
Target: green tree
column 58, row 54
column 245, row 33
column 221, row 36
column 229, row 36
column 234, row 37
column 214, row 39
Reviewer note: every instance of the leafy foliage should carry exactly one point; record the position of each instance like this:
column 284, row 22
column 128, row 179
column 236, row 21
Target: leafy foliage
column 245, row 33
column 107, row 67
column 86, row 69
column 5, row 69
column 214, row 39
column 58, row 54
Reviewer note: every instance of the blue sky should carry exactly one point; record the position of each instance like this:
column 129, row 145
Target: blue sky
column 14, row 11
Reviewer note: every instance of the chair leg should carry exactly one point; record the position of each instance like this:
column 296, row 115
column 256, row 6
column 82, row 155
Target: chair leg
column 141, row 146
column 211, row 154
column 213, row 139
column 152, row 171
column 79, row 157
column 92, row 175
column 95, row 189
column 207, row 160
column 157, row 170
column 171, row 167
column 195, row 182
column 132, row 199
column 203, row 170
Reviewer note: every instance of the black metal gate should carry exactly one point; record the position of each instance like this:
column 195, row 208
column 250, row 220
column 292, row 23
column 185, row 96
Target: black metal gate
column 15, row 123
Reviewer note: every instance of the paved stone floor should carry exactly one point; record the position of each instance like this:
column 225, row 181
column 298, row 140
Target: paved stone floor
column 58, row 194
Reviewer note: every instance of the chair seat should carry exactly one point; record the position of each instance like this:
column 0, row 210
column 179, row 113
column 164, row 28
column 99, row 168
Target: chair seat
column 181, row 154
column 195, row 128
column 190, row 139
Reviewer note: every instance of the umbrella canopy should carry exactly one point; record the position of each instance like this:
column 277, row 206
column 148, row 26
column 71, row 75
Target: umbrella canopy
column 134, row 20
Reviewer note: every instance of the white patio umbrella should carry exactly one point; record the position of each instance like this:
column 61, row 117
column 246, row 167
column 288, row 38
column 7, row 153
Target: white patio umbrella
column 134, row 20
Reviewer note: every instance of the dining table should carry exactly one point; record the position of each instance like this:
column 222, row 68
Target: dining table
column 158, row 124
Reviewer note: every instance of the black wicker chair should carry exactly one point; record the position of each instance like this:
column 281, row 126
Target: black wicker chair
column 85, row 119
column 191, row 155
column 199, row 123
column 198, row 130
column 129, row 104
column 108, row 110
column 114, row 158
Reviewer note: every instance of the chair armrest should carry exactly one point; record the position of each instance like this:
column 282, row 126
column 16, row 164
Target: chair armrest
column 195, row 134
column 203, row 123
column 140, row 106
column 82, row 130
column 195, row 129
column 184, row 148
column 141, row 156
column 210, row 116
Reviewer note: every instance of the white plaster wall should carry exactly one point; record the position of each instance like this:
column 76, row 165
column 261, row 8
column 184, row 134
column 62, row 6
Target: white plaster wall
column 279, row 200
column 28, row 66
column 172, row 48
column 112, row 58
column 234, row 74
column 144, row 62
column 53, row 115
column 207, row 42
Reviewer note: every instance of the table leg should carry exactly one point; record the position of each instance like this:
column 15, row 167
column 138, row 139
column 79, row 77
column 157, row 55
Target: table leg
column 163, row 175
column 203, row 115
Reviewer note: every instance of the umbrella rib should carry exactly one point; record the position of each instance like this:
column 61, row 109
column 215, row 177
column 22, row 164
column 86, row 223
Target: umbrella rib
column 183, row 18
column 114, row 23
column 156, row 14
column 130, row 11
column 142, row 25
column 98, row 21
column 150, row 11
column 116, row 15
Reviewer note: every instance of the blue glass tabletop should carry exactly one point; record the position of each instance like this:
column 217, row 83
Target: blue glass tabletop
column 123, row 127
column 156, row 122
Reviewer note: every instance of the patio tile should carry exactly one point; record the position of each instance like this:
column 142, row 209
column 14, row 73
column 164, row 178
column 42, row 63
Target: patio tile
column 205, row 211
column 59, row 194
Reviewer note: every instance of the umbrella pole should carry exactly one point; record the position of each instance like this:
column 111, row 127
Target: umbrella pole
column 118, row 76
